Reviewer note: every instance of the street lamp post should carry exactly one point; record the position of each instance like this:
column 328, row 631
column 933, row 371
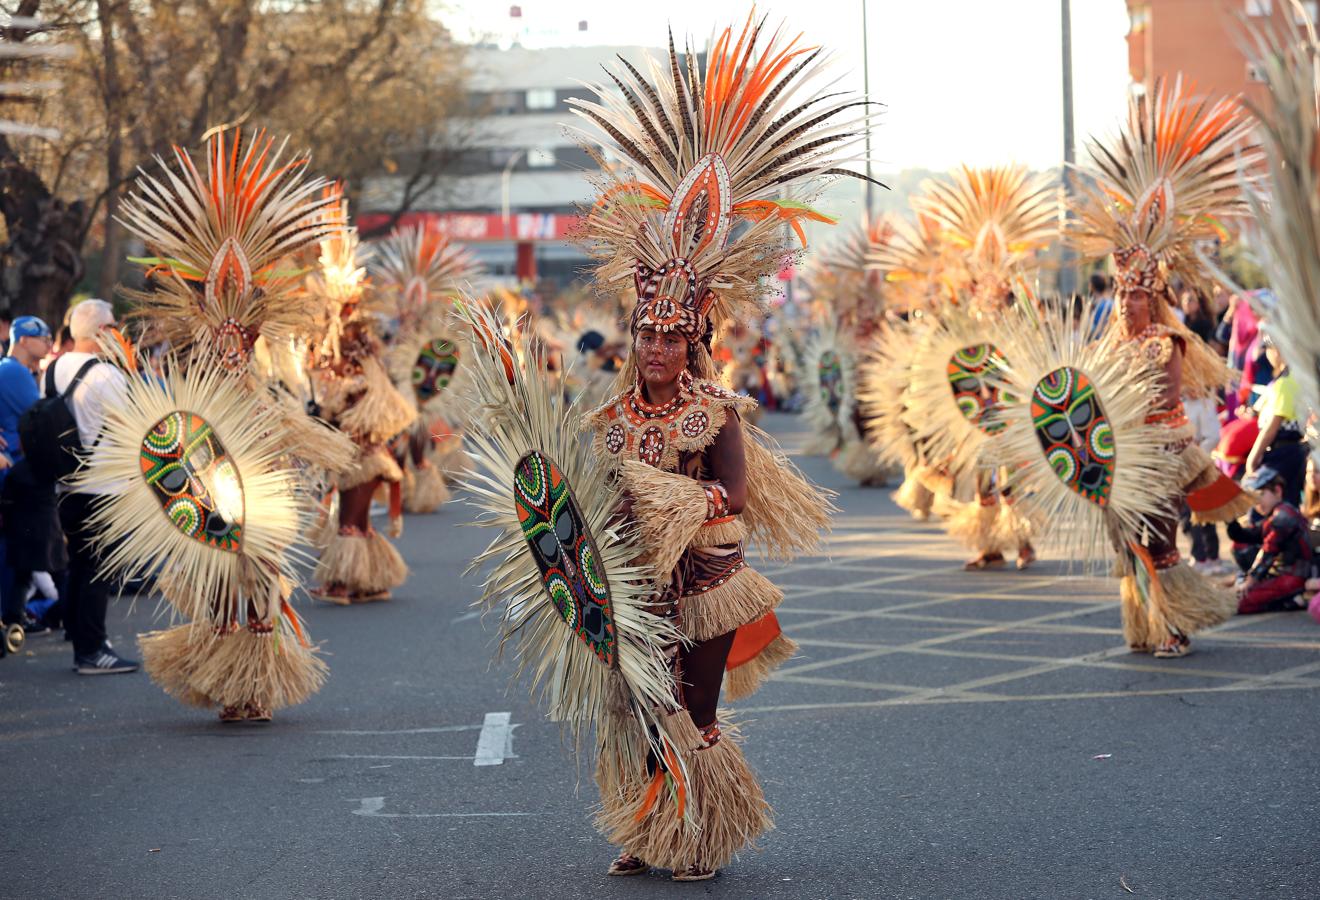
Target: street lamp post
column 1067, row 259
column 866, row 89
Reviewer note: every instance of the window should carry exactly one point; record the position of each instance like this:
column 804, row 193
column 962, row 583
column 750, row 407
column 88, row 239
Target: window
column 541, row 98
column 540, row 157
column 1255, row 72
column 1260, row 8
column 1308, row 14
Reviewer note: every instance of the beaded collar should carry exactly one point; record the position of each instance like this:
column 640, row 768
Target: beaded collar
column 628, row 427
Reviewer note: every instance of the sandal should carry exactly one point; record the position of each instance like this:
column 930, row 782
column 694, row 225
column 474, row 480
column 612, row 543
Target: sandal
column 256, row 713
column 1175, row 646
column 985, row 561
column 335, row 594
column 1026, row 556
column 369, row 597
column 231, row 714
column 627, row 864
column 695, row 873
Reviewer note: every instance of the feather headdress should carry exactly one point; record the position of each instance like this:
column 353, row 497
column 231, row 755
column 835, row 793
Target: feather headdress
column 421, row 265
column 706, row 143
column 1162, row 183
column 222, row 239
column 916, row 263
column 997, row 217
column 841, row 277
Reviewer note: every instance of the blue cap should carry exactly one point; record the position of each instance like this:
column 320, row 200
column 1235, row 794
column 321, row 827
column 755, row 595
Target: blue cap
column 1261, row 477
column 28, row 326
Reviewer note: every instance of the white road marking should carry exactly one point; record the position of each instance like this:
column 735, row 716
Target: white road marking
column 465, row 617
column 372, row 806
column 496, row 740
column 439, row 729
column 390, row 756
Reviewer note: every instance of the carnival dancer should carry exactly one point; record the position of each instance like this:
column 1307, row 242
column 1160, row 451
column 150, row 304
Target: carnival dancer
column 1167, row 181
column 850, row 294
column 920, row 275
column 355, row 393
column 203, row 468
column 709, row 142
column 1000, row 217
column 423, row 271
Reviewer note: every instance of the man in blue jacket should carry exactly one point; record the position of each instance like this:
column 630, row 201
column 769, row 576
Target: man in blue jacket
column 29, row 342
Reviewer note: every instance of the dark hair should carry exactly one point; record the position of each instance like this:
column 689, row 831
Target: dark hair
column 1099, row 283
column 66, row 334
column 1278, row 481
column 6, row 314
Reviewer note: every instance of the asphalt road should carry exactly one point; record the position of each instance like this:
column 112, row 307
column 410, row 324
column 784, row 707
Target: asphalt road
column 942, row 735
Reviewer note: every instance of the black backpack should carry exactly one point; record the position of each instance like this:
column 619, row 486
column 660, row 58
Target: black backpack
column 49, row 432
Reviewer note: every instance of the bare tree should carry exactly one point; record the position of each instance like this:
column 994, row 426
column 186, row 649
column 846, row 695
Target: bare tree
column 366, row 85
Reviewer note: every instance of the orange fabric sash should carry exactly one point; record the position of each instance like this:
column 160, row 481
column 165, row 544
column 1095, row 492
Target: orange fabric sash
column 751, row 639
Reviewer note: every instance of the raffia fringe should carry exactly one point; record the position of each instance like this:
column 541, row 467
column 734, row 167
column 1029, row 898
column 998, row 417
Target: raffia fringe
column 428, row 490
column 974, row 525
column 669, row 510
column 272, row 670
column 914, row 496
column 1137, row 629
column 859, row 462
column 381, row 412
column 327, row 523
column 785, row 515
column 170, row 658
column 744, row 598
column 936, row 481
column 731, row 532
column 362, row 563
column 1013, row 529
column 1190, row 602
column 747, row 679
column 822, row 443
column 725, row 801
column 1239, row 505
column 318, row 443
column 372, row 464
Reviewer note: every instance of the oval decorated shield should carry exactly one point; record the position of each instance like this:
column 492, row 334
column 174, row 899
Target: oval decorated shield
column 968, row 370
column 434, row 368
column 830, row 369
column 194, row 479
column 565, row 553
column 1074, row 433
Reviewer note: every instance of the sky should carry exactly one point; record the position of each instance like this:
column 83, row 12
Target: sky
column 963, row 81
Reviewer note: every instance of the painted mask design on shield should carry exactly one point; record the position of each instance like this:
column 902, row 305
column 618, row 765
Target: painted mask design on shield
column 968, row 369
column 194, row 479
column 434, row 368
column 565, row 552
column 1074, row 433
column 831, row 379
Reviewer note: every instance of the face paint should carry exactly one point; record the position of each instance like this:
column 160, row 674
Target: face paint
column 434, row 368
column 968, row 369
column 830, row 370
column 194, row 480
column 565, row 553
column 1074, row 433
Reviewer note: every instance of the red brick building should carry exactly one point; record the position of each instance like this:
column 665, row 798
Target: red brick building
column 1204, row 40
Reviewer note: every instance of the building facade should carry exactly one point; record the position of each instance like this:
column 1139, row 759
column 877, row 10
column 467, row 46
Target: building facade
column 1205, row 41
column 514, row 193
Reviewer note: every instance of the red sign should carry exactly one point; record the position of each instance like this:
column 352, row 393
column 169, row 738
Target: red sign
column 475, row 228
